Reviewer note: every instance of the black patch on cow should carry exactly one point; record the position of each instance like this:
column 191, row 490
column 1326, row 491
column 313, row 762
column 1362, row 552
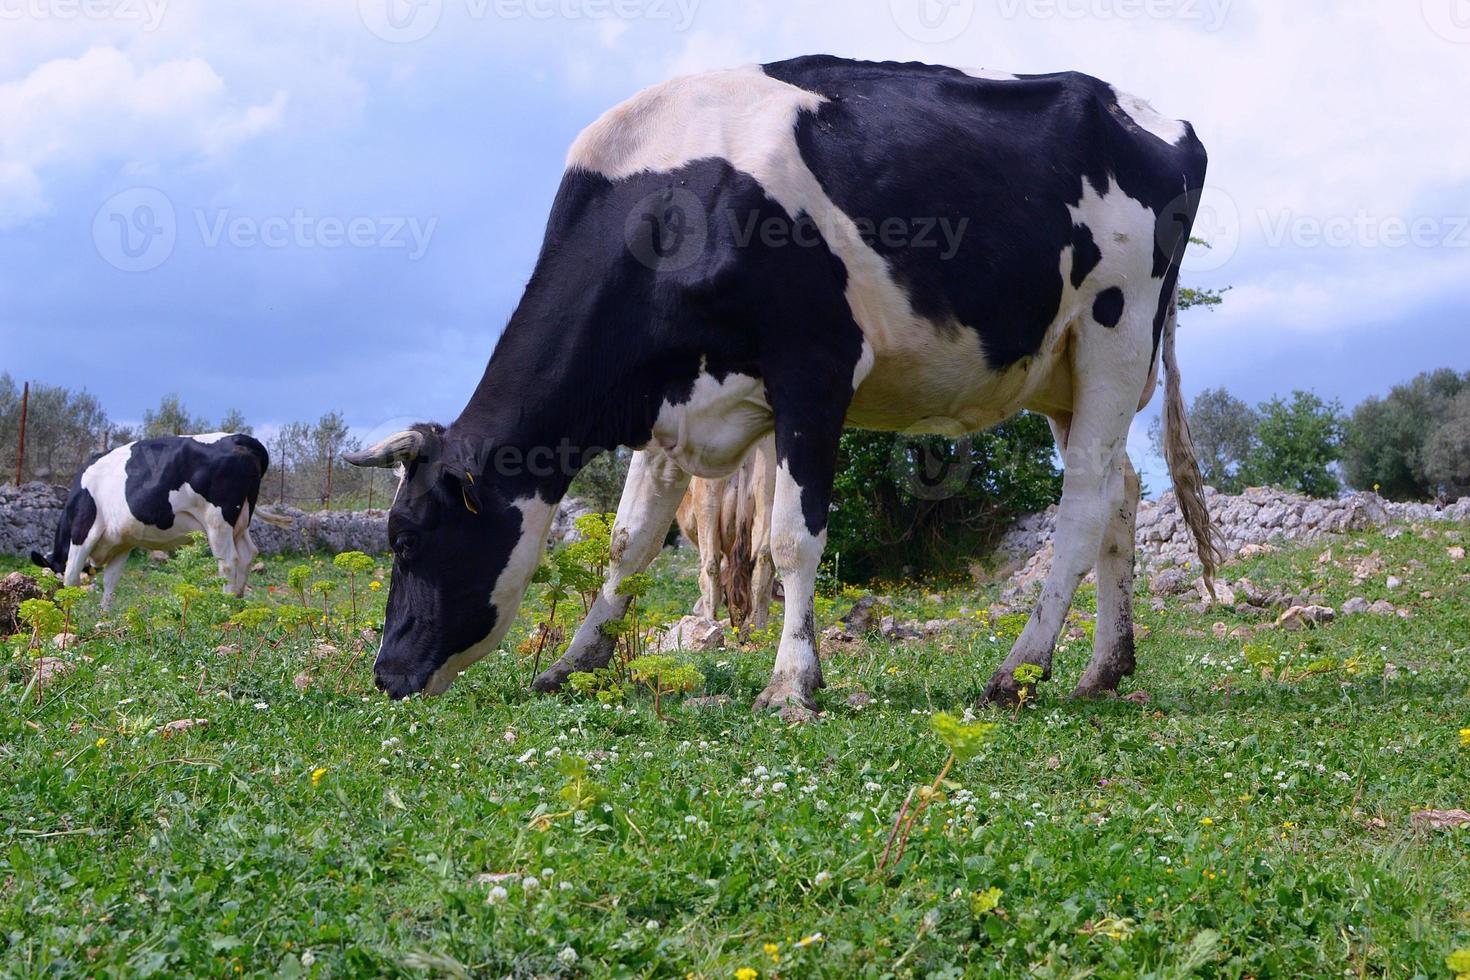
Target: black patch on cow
column 1107, row 309
column 227, row 473
column 915, row 142
column 1086, row 256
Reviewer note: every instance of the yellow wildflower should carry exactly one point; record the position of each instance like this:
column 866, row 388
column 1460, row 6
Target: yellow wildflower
column 101, row 742
column 317, row 774
column 375, row 585
column 746, row 973
column 1207, row 821
column 1465, row 738
column 773, row 951
column 815, row 937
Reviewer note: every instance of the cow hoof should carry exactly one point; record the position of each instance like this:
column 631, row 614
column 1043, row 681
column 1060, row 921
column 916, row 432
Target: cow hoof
column 788, row 698
column 1093, row 692
column 1001, row 692
column 589, row 658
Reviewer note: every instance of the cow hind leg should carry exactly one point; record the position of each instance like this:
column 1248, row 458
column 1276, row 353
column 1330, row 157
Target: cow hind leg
column 111, row 573
column 1111, row 368
column 763, row 572
column 707, row 499
column 1113, row 655
column 650, row 497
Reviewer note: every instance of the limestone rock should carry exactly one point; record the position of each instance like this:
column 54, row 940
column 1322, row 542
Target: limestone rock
column 1303, row 617
column 695, row 633
column 15, row 588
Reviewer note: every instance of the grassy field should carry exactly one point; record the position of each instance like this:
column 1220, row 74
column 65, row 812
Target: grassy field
column 1239, row 824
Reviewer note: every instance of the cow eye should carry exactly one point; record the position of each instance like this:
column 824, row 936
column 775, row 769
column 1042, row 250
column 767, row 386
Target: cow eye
column 403, row 545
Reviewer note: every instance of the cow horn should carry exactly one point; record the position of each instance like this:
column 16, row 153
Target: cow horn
column 400, row 447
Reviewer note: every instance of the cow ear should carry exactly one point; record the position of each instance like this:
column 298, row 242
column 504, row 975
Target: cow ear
column 470, row 492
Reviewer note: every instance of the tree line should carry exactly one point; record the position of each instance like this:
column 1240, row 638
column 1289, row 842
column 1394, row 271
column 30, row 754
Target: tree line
column 1413, row 444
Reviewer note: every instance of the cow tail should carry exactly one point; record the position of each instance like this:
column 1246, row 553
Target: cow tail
column 1189, row 485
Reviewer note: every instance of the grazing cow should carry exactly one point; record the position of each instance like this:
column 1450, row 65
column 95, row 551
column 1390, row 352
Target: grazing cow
column 798, row 247
column 154, row 493
column 729, row 520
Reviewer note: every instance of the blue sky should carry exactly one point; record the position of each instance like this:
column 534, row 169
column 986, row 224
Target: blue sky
column 356, row 188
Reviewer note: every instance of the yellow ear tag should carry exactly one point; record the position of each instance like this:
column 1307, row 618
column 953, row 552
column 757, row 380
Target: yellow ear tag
column 464, row 492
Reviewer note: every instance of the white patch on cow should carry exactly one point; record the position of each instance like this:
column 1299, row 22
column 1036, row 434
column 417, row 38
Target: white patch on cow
column 506, row 594
column 990, row 73
column 210, row 437
column 709, row 434
column 1148, row 119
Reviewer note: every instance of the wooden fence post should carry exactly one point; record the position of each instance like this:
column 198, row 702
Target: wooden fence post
column 20, row 450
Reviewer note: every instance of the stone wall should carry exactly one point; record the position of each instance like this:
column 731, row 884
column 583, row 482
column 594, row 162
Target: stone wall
column 1256, row 519
column 28, row 516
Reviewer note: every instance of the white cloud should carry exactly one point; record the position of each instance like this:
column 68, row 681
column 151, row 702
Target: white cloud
column 102, row 106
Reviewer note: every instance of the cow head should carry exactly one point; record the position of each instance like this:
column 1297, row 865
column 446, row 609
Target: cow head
column 39, row 559
column 463, row 549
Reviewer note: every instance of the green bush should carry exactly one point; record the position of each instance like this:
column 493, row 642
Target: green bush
column 933, row 504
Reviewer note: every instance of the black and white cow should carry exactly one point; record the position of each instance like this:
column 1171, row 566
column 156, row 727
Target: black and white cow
column 799, row 247
column 154, row 493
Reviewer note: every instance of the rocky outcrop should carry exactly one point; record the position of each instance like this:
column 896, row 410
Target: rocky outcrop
column 1251, row 523
column 28, row 516
column 15, row 588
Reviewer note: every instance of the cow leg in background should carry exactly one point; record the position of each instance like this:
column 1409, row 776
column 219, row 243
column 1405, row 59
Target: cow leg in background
column 1112, row 645
column 763, row 575
column 111, row 572
column 222, row 543
column 652, row 494
column 707, row 500
column 1104, row 409
column 807, row 452
column 245, row 552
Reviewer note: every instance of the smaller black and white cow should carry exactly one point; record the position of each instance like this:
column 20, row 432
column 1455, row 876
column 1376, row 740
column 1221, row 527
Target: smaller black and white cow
column 154, row 493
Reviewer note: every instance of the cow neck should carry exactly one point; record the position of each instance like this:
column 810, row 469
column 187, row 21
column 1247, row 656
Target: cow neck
column 549, row 386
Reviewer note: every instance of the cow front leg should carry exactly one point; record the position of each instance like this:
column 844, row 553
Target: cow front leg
column 806, row 464
column 1112, row 645
column 650, row 497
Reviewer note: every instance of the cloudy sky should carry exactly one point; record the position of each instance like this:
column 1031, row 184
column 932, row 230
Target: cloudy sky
column 291, row 206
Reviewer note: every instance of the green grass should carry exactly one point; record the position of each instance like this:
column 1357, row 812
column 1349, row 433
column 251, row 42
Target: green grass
column 1234, row 826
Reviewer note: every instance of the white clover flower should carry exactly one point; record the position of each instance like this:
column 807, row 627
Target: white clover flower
column 527, row 757
column 567, row 956
column 872, row 787
column 308, row 958
column 777, row 787
column 509, row 737
column 822, row 878
column 652, row 925
column 496, row 896
column 530, row 884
